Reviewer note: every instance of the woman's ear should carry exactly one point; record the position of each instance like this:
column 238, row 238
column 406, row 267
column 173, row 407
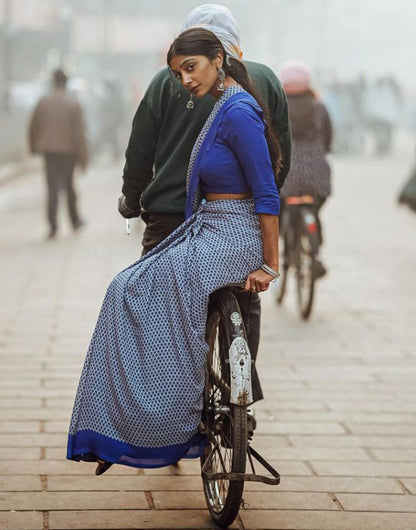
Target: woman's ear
column 219, row 61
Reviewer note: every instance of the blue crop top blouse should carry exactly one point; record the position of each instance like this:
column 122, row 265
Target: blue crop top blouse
column 239, row 159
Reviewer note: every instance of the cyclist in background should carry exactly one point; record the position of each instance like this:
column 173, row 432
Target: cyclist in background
column 311, row 140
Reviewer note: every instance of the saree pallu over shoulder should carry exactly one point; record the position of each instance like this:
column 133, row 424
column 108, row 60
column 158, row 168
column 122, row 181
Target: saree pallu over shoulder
column 139, row 399
column 206, row 138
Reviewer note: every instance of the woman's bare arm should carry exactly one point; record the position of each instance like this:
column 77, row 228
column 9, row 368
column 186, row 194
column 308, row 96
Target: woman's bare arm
column 259, row 280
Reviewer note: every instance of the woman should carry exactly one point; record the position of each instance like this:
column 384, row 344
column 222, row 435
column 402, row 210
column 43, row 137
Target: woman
column 311, row 140
column 139, row 400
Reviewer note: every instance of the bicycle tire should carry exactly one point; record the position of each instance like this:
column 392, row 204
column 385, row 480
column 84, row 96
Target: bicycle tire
column 223, row 497
column 304, row 276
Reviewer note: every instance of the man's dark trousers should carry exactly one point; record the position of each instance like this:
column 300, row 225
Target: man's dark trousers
column 158, row 227
column 59, row 175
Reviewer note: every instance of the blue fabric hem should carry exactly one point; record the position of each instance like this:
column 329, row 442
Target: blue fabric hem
column 272, row 210
column 89, row 445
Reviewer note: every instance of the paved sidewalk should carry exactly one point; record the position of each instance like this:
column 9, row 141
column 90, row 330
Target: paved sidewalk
column 339, row 416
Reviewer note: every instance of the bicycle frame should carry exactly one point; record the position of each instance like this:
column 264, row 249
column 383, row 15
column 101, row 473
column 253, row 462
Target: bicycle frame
column 300, row 218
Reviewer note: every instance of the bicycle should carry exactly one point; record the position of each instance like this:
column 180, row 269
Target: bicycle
column 226, row 419
column 299, row 247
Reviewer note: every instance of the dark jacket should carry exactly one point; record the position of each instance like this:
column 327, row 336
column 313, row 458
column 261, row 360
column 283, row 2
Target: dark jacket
column 312, row 135
column 164, row 132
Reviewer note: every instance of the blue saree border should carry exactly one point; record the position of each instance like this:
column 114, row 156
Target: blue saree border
column 89, row 445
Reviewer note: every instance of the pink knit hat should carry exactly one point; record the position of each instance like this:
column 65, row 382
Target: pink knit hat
column 295, row 77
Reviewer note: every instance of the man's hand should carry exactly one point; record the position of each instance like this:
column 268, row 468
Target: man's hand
column 258, row 281
column 125, row 209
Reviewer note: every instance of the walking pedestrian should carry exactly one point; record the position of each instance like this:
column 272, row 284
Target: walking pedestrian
column 140, row 396
column 164, row 131
column 312, row 135
column 57, row 132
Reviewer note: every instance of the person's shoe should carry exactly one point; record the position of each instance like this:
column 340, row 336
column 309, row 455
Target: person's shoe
column 51, row 234
column 79, row 224
column 251, row 423
column 318, row 269
column 102, row 467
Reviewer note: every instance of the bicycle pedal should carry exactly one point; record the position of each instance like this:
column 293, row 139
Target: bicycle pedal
column 243, row 504
column 318, row 269
column 251, row 423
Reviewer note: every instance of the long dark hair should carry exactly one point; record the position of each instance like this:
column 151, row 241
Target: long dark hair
column 199, row 41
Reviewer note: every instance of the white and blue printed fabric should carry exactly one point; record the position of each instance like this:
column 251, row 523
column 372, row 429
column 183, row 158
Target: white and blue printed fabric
column 140, row 395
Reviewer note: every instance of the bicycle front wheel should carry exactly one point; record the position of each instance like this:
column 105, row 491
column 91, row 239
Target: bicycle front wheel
column 225, row 423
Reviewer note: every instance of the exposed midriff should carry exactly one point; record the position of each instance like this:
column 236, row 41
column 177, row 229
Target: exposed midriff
column 223, row 196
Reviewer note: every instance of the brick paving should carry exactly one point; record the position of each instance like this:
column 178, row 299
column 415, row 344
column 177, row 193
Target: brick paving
column 339, row 416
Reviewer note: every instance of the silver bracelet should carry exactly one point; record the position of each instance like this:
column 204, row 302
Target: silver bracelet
column 270, row 271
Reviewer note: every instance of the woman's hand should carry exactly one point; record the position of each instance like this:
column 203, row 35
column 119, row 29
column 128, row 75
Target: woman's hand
column 258, row 281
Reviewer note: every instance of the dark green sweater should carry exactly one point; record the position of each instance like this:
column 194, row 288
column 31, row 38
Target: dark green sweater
column 164, row 132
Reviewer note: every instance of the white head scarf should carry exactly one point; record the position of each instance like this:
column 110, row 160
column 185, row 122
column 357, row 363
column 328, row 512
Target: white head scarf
column 220, row 21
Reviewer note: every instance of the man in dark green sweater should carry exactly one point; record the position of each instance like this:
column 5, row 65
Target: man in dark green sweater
column 164, row 132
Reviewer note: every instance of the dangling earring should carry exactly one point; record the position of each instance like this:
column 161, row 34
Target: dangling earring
column 190, row 104
column 221, row 77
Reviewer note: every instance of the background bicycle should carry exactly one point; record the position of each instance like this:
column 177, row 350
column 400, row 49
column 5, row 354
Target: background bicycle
column 299, row 247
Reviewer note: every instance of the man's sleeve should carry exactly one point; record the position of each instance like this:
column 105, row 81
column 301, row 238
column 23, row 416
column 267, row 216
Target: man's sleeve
column 140, row 153
column 279, row 114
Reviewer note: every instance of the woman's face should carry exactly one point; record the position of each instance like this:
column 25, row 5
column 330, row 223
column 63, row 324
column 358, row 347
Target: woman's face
column 197, row 73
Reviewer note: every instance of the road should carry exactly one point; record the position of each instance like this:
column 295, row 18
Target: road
column 339, row 417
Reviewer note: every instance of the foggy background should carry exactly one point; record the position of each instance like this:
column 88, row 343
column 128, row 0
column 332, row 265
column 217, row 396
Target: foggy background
column 339, row 418
column 343, row 41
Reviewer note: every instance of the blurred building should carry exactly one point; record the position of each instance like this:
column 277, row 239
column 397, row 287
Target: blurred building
column 127, row 40
column 92, row 39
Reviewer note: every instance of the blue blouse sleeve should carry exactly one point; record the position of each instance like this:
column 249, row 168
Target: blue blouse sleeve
column 243, row 130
